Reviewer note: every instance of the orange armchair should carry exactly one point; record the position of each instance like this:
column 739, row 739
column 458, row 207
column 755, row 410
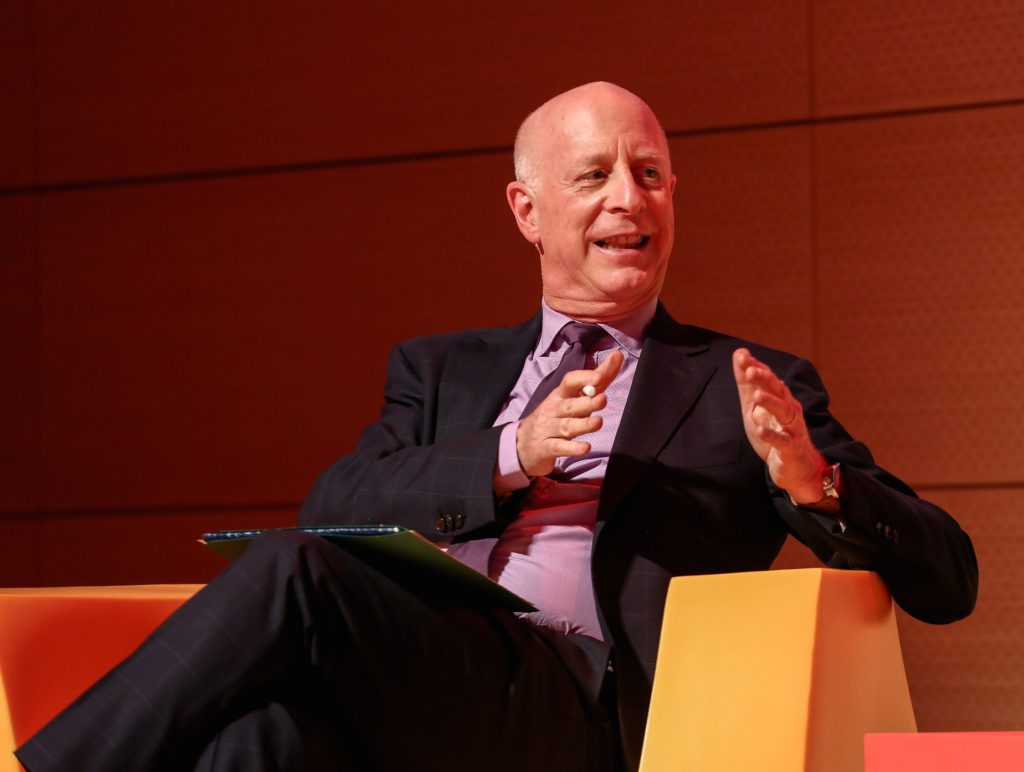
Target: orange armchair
column 55, row 642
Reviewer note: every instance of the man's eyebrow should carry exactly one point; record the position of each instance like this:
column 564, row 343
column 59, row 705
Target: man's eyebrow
column 594, row 159
column 597, row 159
column 650, row 155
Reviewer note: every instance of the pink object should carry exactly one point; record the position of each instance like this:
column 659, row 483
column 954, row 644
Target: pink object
column 944, row 752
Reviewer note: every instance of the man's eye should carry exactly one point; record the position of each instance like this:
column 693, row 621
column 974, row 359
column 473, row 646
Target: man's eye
column 651, row 173
column 597, row 174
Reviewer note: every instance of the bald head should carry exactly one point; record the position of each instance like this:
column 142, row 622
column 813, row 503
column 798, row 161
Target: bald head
column 593, row 195
column 556, row 115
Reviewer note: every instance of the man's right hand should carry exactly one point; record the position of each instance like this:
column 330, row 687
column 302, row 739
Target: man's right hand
column 548, row 432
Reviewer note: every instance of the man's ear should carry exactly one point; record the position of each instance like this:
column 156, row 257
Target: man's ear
column 520, row 200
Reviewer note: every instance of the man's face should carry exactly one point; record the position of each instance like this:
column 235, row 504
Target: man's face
column 599, row 204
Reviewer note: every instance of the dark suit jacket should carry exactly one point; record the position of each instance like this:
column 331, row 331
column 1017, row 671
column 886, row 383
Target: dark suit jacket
column 684, row 492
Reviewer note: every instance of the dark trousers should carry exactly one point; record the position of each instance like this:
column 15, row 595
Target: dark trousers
column 302, row 657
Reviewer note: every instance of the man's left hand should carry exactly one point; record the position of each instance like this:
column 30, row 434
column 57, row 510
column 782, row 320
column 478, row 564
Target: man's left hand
column 774, row 423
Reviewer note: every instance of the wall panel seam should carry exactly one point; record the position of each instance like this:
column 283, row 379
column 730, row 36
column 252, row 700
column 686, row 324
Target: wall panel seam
column 156, row 509
column 65, row 186
column 981, row 485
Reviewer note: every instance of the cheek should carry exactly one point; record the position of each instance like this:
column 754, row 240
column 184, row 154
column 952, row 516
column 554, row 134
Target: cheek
column 665, row 215
column 578, row 217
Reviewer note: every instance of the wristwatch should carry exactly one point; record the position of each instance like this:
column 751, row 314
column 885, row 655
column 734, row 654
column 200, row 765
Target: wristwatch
column 829, row 501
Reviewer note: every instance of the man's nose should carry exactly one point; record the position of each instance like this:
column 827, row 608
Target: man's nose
column 625, row 194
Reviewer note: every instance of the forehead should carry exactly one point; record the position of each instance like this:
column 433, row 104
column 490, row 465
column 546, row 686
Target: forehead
column 606, row 132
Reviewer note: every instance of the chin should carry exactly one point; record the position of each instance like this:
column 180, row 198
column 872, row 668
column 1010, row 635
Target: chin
column 630, row 283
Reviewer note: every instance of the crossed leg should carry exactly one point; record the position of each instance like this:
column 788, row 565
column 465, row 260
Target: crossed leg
column 300, row 656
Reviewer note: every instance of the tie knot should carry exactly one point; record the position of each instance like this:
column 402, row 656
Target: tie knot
column 584, row 334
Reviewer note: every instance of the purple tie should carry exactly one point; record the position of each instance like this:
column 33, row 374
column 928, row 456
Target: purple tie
column 581, row 337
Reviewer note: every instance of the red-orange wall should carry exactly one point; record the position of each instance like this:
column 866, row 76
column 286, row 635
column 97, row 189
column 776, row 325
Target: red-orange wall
column 216, row 218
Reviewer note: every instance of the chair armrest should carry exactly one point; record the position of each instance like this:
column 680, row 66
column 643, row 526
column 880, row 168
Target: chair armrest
column 55, row 642
column 775, row 670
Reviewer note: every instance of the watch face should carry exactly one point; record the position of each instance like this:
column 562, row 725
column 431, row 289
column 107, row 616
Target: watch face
column 831, row 484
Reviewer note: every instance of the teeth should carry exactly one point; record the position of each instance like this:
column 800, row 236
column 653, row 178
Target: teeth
column 623, row 242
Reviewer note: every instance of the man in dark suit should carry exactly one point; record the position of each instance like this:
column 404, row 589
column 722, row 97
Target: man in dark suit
column 580, row 459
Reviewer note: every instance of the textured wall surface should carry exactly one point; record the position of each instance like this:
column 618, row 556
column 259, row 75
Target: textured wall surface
column 215, row 220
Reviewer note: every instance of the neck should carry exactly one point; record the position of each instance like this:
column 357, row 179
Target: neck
column 601, row 312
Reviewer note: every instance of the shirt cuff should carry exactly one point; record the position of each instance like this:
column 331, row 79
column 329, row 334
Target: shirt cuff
column 508, row 474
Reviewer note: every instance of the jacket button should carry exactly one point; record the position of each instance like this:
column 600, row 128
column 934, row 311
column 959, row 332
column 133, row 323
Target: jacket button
column 440, row 524
column 459, row 521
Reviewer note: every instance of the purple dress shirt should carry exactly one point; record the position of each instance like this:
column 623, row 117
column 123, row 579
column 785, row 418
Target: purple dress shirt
column 544, row 554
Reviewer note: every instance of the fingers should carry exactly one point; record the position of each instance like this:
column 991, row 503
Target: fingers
column 582, row 406
column 776, row 415
column 569, row 399
column 550, row 431
column 608, row 369
column 567, row 448
column 750, row 372
column 781, row 412
column 600, row 377
column 541, row 439
column 769, row 429
column 568, row 428
column 740, row 360
column 568, row 412
column 550, row 437
column 774, row 421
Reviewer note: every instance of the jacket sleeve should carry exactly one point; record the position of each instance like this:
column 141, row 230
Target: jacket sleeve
column 399, row 472
column 923, row 556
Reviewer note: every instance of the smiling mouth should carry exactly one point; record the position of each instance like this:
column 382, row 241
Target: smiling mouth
column 636, row 241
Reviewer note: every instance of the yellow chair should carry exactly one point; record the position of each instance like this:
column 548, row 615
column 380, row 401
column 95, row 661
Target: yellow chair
column 56, row 641
column 775, row 671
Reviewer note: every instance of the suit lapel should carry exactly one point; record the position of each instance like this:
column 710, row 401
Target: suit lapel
column 670, row 376
column 480, row 374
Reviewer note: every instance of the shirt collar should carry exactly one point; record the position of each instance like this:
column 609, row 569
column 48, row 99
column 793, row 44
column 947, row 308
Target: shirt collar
column 628, row 332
